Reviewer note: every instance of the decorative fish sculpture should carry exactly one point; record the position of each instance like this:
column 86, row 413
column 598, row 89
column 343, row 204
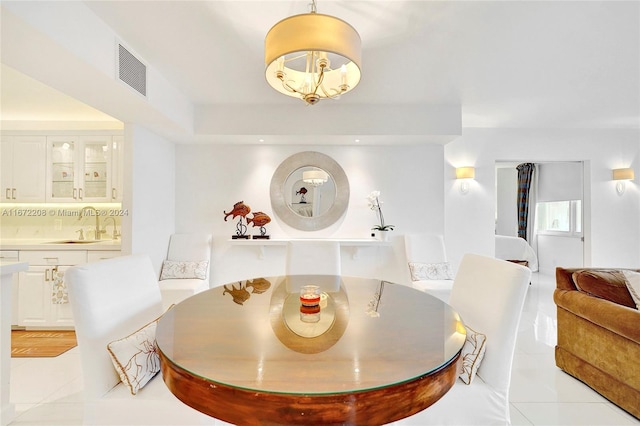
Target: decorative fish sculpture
column 260, row 285
column 302, row 191
column 239, row 295
column 258, row 219
column 239, row 209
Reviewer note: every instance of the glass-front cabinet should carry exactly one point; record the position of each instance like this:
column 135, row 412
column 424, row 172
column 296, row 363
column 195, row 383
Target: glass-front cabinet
column 79, row 168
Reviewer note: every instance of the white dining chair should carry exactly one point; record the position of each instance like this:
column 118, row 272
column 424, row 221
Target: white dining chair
column 110, row 299
column 313, row 257
column 426, row 248
column 489, row 295
column 184, row 249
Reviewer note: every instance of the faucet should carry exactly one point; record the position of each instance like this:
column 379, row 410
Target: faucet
column 95, row 213
column 115, row 233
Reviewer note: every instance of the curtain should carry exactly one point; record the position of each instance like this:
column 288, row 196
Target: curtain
column 525, row 177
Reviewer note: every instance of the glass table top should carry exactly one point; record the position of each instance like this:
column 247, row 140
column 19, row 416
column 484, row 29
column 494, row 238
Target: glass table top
column 363, row 334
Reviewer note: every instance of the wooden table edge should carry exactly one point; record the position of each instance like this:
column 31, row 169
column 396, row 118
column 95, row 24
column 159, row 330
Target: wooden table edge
column 367, row 407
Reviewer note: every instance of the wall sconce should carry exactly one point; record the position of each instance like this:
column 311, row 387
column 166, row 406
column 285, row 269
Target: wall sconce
column 621, row 176
column 465, row 174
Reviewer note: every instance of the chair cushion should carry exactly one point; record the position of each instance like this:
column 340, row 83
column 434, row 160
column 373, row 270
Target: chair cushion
column 605, row 284
column 472, row 354
column 172, row 269
column 430, row 271
column 135, row 357
column 632, row 279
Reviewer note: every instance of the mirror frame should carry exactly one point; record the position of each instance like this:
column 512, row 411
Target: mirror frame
column 309, row 159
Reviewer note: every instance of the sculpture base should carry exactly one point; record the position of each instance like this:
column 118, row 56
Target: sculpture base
column 261, row 237
column 240, row 237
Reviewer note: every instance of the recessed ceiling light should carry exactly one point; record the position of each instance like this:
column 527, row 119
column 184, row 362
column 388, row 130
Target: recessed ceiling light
column 260, row 140
column 357, row 140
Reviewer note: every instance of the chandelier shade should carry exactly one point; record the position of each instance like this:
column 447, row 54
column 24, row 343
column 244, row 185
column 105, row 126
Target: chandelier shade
column 312, row 56
column 315, row 177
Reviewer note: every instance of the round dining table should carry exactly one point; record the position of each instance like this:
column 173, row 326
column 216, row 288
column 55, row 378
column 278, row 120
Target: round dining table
column 366, row 351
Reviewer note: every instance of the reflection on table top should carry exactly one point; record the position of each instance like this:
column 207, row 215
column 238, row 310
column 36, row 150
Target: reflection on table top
column 371, row 334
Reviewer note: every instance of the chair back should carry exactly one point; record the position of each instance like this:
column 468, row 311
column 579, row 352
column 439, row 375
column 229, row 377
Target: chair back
column 189, row 247
column 489, row 295
column 425, row 248
column 110, row 299
column 306, row 258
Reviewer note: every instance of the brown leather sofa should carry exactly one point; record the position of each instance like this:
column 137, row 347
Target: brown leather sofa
column 599, row 334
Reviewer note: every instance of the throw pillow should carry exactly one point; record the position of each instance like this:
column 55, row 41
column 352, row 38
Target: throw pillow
column 184, row 269
column 605, row 284
column 472, row 354
column 135, row 357
column 632, row 279
column 430, row 271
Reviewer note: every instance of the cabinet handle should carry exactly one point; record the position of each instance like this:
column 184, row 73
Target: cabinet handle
column 51, row 259
column 47, row 274
column 13, row 193
column 6, row 193
column 80, row 193
column 75, row 193
column 114, row 193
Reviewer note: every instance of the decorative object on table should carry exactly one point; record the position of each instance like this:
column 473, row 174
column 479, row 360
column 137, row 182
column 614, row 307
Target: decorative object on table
column 380, row 231
column 259, row 285
column 242, row 210
column 310, row 303
column 303, row 194
column 260, row 219
column 241, row 294
column 374, row 304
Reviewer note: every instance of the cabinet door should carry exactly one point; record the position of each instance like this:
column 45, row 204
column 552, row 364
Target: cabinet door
column 62, row 182
column 34, row 305
column 23, row 169
column 6, row 169
column 117, row 158
column 94, row 169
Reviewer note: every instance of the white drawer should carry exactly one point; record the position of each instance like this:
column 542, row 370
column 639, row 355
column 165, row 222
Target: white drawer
column 52, row 257
column 97, row 255
column 9, row 254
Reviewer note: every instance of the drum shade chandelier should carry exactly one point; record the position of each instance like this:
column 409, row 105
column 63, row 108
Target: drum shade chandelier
column 312, row 56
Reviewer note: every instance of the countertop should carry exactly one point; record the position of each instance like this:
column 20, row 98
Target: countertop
column 55, row 244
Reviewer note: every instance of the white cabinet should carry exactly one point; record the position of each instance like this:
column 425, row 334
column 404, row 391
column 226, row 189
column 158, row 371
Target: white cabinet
column 79, row 169
column 98, row 255
column 117, row 146
column 36, row 301
column 22, row 172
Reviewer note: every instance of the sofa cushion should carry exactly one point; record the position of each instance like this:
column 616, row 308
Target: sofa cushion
column 605, row 284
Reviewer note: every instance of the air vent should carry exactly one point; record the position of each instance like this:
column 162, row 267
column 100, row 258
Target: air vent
column 131, row 71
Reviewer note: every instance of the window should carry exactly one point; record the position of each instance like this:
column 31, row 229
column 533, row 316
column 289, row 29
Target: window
column 559, row 218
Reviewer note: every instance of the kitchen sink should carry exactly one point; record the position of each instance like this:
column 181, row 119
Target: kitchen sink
column 72, row 242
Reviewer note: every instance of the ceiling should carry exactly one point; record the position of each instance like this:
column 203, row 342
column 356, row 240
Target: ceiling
column 506, row 64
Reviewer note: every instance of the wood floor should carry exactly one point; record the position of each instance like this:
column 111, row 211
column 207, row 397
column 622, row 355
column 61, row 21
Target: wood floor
column 41, row 343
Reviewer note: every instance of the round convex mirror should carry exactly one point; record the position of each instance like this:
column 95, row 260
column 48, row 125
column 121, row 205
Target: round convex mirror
column 309, row 191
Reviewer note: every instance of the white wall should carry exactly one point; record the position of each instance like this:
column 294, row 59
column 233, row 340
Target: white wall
column 211, row 178
column 507, row 201
column 614, row 227
column 149, row 194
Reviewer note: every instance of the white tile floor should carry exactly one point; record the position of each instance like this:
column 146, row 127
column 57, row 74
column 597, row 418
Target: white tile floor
column 48, row 391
